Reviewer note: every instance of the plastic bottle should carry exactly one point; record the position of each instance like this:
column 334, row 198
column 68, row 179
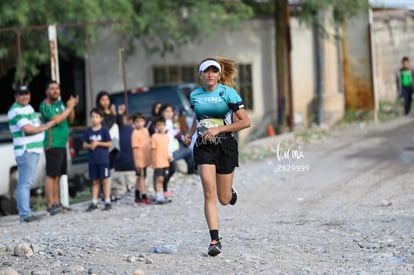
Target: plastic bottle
column 166, row 248
column 395, row 260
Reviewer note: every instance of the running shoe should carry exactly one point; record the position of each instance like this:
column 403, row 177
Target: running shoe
column 91, row 207
column 54, row 209
column 147, row 201
column 159, row 202
column 139, row 200
column 164, row 201
column 169, row 194
column 31, row 219
column 214, row 248
column 65, row 208
column 107, row 207
column 233, row 196
column 143, row 201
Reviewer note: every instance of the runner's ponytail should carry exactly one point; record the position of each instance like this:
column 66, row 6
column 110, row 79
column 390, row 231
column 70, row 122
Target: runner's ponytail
column 228, row 71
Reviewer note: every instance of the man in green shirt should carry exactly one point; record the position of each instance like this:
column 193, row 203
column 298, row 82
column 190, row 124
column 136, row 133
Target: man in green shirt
column 405, row 83
column 52, row 108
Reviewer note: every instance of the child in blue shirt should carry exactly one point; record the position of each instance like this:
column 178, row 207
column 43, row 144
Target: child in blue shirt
column 98, row 141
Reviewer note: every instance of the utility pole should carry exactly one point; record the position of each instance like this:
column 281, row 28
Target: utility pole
column 54, row 69
column 54, row 56
column 319, row 60
column 283, row 65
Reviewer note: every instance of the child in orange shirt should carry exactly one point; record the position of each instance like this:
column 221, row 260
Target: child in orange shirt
column 160, row 158
column 141, row 146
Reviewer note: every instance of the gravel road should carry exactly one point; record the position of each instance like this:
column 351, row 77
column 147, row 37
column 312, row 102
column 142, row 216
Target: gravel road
column 347, row 208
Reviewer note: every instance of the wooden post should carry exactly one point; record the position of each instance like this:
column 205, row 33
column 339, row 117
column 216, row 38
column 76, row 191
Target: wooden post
column 283, row 49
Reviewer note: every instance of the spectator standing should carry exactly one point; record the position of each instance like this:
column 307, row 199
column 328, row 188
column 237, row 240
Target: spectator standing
column 113, row 121
column 405, row 83
column 56, row 138
column 185, row 152
column 124, row 177
column 141, row 146
column 28, row 138
column 160, row 158
column 97, row 140
column 176, row 151
column 155, row 112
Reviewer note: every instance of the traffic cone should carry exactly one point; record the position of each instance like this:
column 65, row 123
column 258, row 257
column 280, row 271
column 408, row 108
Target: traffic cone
column 270, row 131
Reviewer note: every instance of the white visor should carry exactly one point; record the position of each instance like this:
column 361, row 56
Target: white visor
column 208, row 63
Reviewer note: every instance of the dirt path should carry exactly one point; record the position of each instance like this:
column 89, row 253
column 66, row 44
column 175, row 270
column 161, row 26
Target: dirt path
column 351, row 213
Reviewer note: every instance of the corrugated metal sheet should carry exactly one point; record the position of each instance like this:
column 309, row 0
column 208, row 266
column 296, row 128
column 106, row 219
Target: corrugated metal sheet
column 359, row 92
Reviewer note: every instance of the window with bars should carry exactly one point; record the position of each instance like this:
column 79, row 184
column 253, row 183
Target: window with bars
column 245, row 85
column 174, row 74
column 188, row 73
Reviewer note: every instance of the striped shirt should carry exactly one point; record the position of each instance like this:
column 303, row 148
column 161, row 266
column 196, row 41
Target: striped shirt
column 19, row 116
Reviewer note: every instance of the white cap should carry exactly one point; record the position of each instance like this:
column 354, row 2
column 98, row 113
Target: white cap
column 208, row 63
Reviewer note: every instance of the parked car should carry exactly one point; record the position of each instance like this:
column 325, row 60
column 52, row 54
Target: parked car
column 77, row 168
column 142, row 99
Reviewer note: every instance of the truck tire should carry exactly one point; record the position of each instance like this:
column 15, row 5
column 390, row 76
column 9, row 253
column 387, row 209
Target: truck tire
column 77, row 184
column 72, row 191
column 8, row 204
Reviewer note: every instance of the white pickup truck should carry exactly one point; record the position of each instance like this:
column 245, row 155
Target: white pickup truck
column 8, row 171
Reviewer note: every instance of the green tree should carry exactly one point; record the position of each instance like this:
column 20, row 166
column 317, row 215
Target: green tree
column 159, row 25
column 307, row 11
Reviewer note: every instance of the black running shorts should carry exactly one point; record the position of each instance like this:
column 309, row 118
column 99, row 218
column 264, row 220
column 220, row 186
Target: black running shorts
column 142, row 172
column 163, row 172
column 56, row 162
column 222, row 152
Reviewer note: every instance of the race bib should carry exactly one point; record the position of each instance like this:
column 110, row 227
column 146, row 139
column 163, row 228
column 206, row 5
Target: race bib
column 211, row 122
